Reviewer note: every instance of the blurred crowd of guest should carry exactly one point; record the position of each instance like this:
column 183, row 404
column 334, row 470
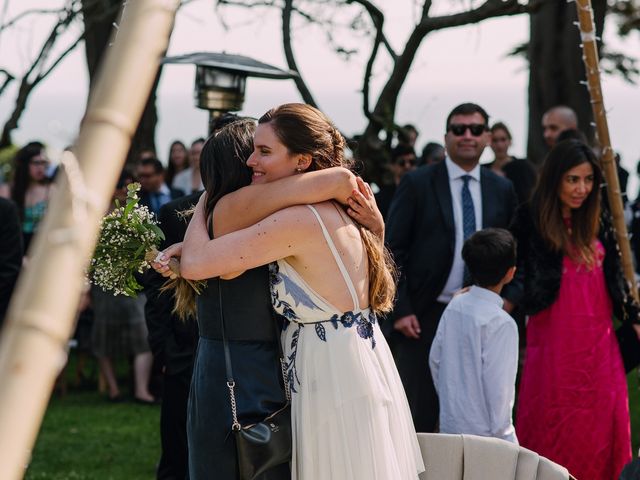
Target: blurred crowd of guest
column 426, row 230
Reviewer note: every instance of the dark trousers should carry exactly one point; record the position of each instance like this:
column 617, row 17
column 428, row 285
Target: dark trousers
column 173, row 428
column 412, row 360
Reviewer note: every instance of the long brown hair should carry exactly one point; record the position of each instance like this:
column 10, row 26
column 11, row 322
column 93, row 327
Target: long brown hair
column 306, row 130
column 576, row 241
column 223, row 170
column 21, row 176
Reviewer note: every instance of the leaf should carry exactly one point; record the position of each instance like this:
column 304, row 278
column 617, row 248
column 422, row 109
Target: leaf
column 298, row 293
column 294, row 339
column 159, row 233
column 321, row 332
column 139, row 251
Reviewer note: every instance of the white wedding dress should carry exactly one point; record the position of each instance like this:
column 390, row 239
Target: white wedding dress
column 350, row 416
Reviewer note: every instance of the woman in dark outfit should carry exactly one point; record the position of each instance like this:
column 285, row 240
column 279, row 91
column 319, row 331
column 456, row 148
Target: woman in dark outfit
column 520, row 171
column 250, row 326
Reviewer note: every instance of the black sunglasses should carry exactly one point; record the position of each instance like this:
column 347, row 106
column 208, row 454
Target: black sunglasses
column 476, row 129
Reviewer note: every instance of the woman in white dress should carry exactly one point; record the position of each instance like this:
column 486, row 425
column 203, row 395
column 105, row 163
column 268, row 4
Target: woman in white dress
column 350, row 415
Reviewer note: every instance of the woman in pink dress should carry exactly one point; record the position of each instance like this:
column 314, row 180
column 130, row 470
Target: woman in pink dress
column 573, row 404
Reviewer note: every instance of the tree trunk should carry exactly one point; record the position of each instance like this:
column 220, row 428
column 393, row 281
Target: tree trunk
column 556, row 69
column 12, row 123
column 99, row 17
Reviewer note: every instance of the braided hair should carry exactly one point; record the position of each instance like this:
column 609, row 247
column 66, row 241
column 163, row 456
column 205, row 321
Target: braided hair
column 304, row 129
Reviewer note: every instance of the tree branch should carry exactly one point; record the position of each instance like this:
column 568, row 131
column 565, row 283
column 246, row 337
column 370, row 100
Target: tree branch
column 489, row 9
column 264, row 3
column 8, row 78
column 288, row 53
column 377, row 17
column 37, row 70
column 55, row 63
column 69, row 15
column 26, row 13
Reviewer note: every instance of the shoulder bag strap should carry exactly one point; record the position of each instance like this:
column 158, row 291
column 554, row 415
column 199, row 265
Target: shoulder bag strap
column 231, row 384
column 227, row 361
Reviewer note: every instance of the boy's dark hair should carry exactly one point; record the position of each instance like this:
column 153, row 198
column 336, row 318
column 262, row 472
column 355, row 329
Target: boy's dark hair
column 489, row 254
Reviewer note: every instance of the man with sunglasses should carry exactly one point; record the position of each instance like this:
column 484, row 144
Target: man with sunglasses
column 434, row 210
column 403, row 160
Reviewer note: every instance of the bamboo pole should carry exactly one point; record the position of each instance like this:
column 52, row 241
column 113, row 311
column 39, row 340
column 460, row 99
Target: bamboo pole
column 590, row 57
column 33, row 346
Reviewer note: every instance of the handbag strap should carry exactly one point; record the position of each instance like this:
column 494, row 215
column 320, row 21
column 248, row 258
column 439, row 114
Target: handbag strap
column 231, row 384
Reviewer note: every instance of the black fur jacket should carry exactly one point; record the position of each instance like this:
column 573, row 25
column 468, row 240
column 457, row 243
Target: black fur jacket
column 540, row 270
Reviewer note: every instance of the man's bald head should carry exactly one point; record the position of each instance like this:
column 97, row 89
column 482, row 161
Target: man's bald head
column 556, row 120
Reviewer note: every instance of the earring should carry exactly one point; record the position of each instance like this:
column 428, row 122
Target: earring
column 298, row 170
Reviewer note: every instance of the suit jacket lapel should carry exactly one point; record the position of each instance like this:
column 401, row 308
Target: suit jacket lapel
column 443, row 193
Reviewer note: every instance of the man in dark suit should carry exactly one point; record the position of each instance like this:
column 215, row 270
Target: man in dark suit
column 435, row 208
column 154, row 193
column 173, row 343
column 10, row 252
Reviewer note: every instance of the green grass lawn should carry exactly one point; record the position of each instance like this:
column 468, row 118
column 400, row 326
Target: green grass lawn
column 85, row 437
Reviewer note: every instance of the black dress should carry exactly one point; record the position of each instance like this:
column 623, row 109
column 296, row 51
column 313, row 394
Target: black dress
column 254, row 356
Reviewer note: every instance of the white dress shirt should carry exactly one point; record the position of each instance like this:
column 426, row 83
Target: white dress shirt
column 473, row 361
column 182, row 181
column 455, row 173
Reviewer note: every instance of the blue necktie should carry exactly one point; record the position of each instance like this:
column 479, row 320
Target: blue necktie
column 468, row 220
column 154, row 200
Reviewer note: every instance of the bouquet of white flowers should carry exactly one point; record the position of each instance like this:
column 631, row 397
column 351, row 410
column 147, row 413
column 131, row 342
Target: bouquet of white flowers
column 128, row 242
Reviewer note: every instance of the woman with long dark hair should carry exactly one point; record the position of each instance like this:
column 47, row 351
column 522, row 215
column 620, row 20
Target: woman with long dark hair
column 177, row 162
column 30, row 187
column 252, row 339
column 573, row 403
column 520, row 171
column 350, row 416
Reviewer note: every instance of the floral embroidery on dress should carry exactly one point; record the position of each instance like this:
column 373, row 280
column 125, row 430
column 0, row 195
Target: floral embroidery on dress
column 292, row 371
column 363, row 321
column 282, row 306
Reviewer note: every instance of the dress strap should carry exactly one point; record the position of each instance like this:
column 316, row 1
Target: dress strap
column 336, row 256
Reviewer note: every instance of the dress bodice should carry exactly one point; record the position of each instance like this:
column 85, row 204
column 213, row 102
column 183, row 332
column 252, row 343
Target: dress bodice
column 246, row 305
column 294, row 299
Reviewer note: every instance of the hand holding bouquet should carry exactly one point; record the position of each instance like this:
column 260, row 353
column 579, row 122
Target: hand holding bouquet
column 128, row 243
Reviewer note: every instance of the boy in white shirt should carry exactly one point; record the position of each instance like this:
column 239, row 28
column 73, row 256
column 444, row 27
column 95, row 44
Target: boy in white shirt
column 474, row 356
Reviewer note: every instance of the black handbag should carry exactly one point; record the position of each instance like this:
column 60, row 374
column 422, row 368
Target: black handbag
column 629, row 346
column 266, row 444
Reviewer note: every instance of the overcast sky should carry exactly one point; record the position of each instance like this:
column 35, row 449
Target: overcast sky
column 452, row 66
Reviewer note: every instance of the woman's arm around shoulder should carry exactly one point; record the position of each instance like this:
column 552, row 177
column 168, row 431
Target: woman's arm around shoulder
column 253, row 203
column 280, row 235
